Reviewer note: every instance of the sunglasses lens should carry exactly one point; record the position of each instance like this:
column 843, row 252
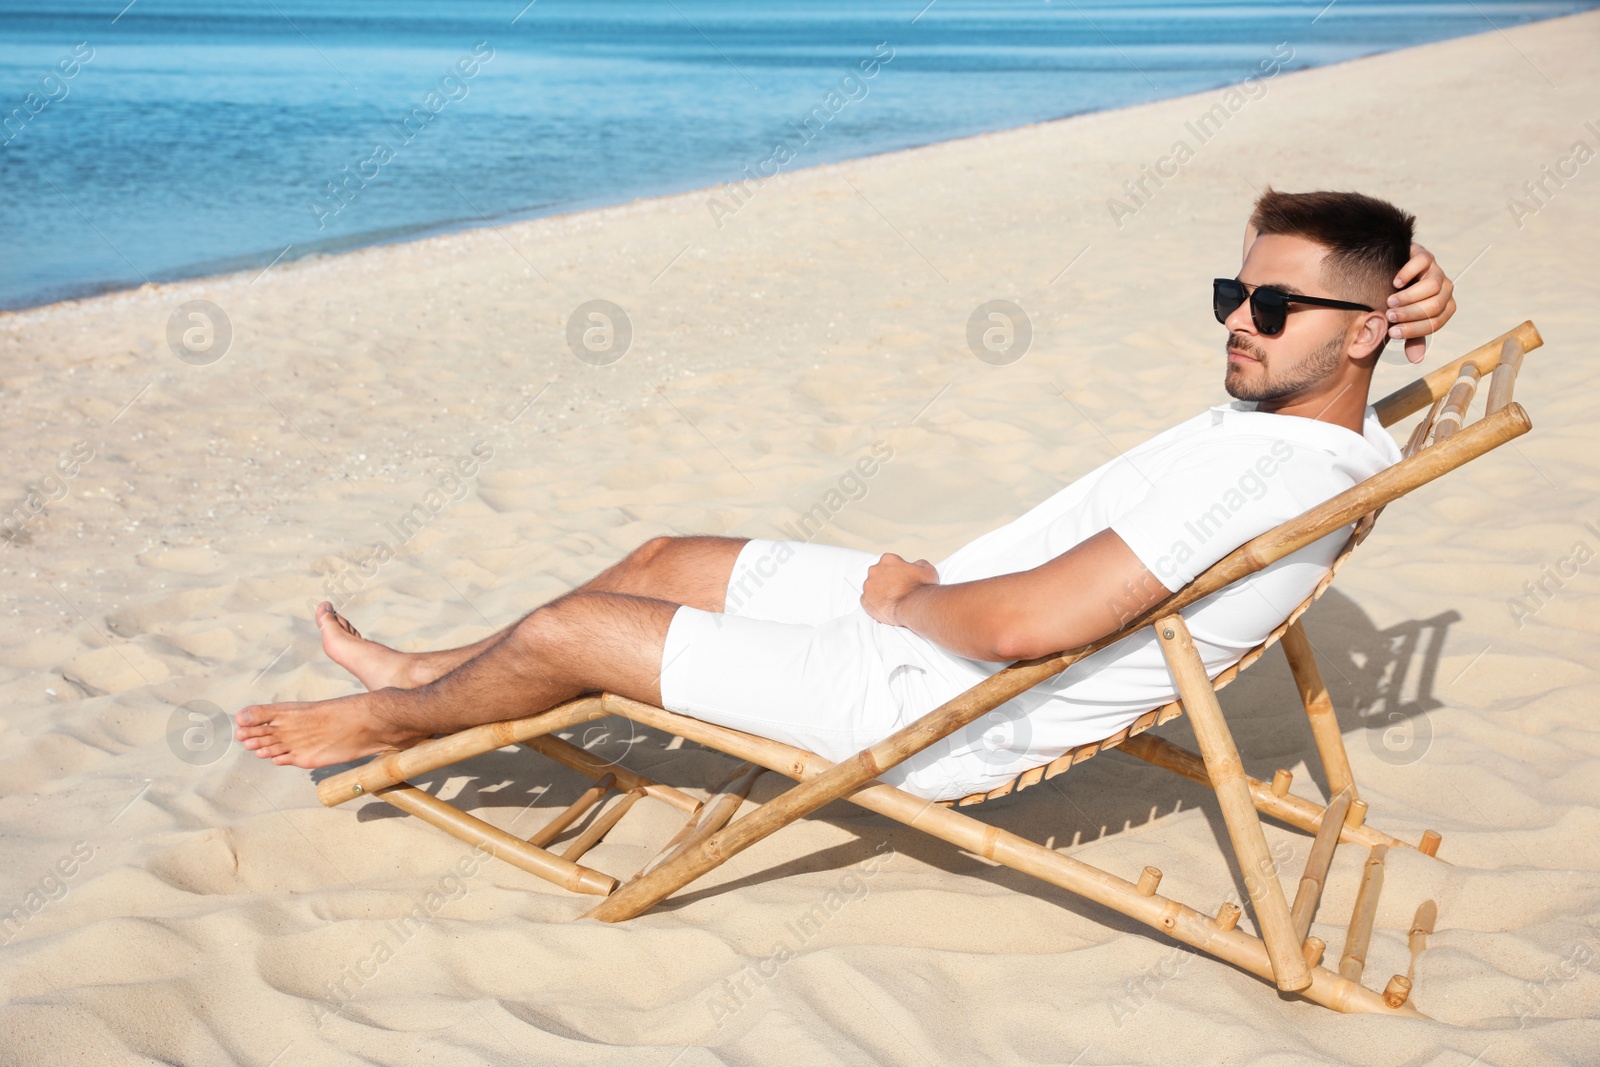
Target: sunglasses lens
column 1268, row 310
column 1226, row 296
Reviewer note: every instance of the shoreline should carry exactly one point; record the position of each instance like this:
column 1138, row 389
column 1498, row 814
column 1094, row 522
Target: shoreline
column 421, row 233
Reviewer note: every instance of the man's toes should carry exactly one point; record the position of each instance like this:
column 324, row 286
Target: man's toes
column 326, row 613
column 253, row 722
column 255, row 715
column 272, row 750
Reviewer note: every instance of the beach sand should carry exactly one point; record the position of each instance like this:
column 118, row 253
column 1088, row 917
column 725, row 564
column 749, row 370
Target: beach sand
column 182, row 902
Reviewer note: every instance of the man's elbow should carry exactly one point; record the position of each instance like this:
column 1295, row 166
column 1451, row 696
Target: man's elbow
column 1020, row 644
column 1026, row 643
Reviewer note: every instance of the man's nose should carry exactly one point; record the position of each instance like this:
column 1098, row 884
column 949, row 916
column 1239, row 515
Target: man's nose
column 1240, row 321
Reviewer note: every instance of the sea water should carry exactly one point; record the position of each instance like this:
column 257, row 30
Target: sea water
column 168, row 138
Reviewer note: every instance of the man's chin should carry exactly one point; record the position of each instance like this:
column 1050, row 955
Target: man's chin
column 1239, row 385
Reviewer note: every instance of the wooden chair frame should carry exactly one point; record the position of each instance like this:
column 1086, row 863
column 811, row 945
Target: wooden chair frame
column 1282, row 952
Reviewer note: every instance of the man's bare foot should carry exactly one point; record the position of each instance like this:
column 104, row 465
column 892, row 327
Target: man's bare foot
column 320, row 733
column 375, row 666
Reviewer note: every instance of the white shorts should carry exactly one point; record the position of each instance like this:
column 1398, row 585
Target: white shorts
column 794, row 657
column 791, row 657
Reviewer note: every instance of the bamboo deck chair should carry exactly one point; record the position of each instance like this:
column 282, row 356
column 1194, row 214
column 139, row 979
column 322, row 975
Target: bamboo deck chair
column 1281, row 951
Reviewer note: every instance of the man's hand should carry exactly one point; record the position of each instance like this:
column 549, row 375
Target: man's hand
column 1084, row 593
column 1425, row 306
column 890, row 581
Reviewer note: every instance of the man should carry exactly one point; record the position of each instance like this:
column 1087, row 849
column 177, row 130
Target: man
column 833, row 649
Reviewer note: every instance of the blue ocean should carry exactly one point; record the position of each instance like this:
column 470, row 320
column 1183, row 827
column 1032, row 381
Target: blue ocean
column 160, row 139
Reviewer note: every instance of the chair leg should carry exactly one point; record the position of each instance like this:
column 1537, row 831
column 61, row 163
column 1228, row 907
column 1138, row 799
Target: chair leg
column 1226, row 771
column 1319, row 711
column 711, row 816
column 1354, row 958
column 1315, row 877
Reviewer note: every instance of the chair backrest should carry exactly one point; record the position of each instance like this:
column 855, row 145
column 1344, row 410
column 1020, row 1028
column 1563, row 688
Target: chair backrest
column 1449, row 390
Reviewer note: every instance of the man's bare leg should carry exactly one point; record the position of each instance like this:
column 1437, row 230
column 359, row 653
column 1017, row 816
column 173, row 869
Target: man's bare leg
column 581, row 642
column 680, row 570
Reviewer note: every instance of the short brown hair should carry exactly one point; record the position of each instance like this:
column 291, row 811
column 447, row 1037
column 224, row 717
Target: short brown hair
column 1368, row 240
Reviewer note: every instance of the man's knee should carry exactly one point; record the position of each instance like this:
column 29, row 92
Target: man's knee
column 545, row 630
column 653, row 549
column 654, row 560
column 691, row 570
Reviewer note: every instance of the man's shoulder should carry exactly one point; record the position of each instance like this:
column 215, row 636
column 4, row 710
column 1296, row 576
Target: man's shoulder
column 1372, row 449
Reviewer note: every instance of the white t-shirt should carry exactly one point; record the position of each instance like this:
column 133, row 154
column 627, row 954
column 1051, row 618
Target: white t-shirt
column 1181, row 501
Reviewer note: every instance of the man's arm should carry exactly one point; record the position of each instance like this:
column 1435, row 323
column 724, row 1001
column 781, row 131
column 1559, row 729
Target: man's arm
column 1083, row 594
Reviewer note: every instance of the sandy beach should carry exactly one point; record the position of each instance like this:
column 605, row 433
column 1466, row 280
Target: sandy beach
column 174, row 900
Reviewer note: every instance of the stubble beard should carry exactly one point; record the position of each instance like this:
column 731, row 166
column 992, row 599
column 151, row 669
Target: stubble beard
column 1314, row 368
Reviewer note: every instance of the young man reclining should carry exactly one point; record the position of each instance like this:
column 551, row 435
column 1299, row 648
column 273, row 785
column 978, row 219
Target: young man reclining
column 833, row 649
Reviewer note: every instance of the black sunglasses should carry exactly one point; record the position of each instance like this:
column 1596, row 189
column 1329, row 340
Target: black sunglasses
column 1269, row 307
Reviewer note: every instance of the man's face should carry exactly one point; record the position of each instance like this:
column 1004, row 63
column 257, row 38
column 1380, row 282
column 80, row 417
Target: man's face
column 1314, row 340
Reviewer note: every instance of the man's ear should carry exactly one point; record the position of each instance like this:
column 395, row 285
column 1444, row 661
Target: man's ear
column 1370, row 333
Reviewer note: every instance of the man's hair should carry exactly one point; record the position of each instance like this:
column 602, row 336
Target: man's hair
column 1367, row 240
